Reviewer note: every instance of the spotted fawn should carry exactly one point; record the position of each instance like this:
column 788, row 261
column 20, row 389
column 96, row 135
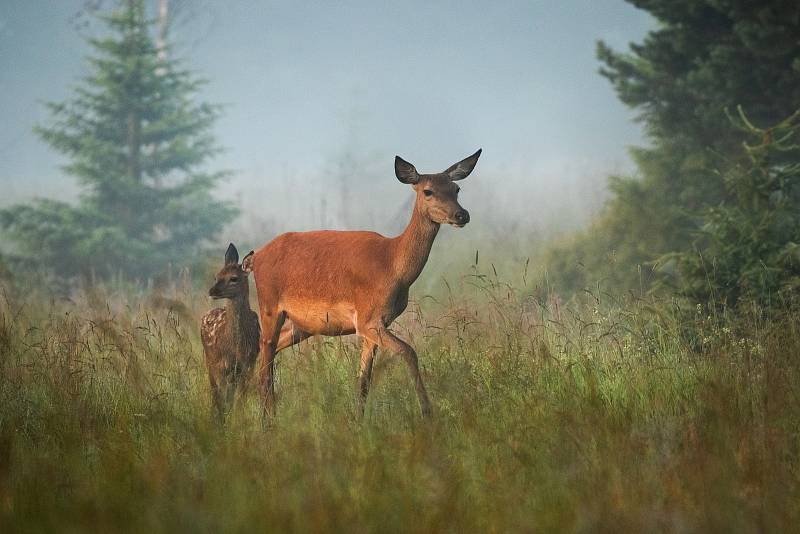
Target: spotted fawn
column 230, row 334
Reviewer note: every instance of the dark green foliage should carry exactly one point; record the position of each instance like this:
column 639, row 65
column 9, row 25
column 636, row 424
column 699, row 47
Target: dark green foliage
column 137, row 140
column 704, row 57
column 748, row 247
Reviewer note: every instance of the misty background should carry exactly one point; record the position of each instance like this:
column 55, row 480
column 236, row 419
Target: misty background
column 320, row 96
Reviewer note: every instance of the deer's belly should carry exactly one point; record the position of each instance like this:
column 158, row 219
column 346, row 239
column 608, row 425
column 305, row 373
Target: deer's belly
column 321, row 318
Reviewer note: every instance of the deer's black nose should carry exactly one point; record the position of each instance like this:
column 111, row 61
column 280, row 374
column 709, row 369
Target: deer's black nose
column 462, row 217
column 214, row 291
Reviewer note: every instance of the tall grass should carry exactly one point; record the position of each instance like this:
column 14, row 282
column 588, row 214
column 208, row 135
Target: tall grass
column 596, row 415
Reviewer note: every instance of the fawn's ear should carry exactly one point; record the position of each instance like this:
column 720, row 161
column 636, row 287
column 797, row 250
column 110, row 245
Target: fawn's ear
column 231, row 255
column 247, row 262
column 405, row 171
column 461, row 170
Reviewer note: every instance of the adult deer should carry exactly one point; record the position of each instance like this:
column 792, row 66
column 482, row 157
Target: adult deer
column 335, row 282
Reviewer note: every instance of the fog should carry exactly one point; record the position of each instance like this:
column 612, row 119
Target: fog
column 320, row 96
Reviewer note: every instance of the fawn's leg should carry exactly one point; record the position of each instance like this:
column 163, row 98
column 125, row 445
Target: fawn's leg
column 227, row 391
column 216, row 397
column 216, row 379
column 239, row 377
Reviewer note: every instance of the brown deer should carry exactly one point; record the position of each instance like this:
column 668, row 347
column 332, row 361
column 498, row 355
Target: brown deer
column 335, row 283
column 231, row 334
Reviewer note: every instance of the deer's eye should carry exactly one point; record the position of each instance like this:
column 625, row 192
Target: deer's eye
column 234, row 279
column 427, row 192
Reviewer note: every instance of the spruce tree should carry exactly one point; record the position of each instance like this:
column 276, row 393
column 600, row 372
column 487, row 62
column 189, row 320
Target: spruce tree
column 747, row 248
column 138, row 141
column 705, row 56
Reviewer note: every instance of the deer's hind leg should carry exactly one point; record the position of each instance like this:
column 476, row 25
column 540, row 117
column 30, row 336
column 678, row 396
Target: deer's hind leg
column 271, row 324
column 290, row 335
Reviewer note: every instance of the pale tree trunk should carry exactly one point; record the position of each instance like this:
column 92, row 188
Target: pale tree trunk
column 163, row 25
column 161, row 46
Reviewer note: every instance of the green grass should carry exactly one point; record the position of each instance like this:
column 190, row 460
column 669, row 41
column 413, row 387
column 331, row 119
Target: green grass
column 547, row 417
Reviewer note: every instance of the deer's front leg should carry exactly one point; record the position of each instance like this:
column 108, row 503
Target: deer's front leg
column 382, row 337
column 365, row 373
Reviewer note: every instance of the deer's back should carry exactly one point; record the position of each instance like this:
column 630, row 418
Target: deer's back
column 321, row 279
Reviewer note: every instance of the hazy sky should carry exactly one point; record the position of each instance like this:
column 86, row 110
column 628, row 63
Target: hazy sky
column 304, row 81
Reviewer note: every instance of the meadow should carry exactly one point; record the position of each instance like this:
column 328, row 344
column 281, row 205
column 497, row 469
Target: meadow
column 602, row 413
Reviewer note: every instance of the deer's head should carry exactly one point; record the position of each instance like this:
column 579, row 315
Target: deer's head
column 231, row 281
column 437, row 194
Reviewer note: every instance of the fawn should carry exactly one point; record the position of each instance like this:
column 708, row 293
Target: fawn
column 231, row 334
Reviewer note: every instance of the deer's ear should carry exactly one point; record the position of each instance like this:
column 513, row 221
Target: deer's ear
column 405, row 171
column 461, row 170
column 231, row 255
column 247, row 262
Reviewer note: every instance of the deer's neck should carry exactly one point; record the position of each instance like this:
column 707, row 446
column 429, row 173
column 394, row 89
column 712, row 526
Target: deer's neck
column 414, row 245
column 236, row 309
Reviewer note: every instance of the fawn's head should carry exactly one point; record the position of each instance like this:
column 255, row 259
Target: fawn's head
column 437, row 194
column 231, row 281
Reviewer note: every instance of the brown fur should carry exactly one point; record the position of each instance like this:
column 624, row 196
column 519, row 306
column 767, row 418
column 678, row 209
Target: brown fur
column 230, row 335
column 334, row 283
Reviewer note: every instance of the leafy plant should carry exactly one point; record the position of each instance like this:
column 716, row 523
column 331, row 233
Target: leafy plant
column 748, row 246
column 703, row 56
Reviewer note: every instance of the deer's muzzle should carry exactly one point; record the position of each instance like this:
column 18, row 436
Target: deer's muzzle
column 461, row 218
